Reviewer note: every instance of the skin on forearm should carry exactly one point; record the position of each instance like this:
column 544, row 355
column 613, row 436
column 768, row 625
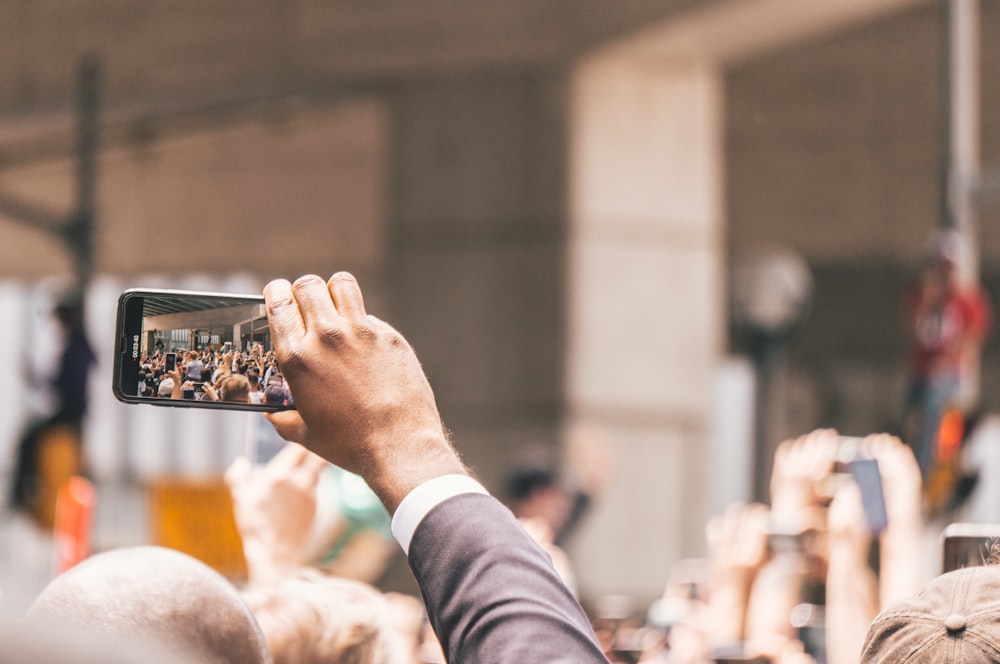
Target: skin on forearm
column 264, row 567
column 851, row 588
column 851, row 605
column 727, row 607
column 737, row 544
column 775, row 592
column 399, row 470
column 901, row 570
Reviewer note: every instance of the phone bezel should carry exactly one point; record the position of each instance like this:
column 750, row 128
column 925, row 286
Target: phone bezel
column 957, row 539
column 128, row 333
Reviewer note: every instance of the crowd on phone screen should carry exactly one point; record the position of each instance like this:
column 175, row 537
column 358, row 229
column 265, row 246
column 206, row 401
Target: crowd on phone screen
column 794, row 581
column 224, row 374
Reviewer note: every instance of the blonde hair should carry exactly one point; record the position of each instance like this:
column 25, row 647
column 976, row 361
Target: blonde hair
column 235, row 388
column 314, row 619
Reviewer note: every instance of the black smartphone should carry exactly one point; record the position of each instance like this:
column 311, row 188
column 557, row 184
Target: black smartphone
column 969, row 545
column 170, row 362
column 180, row 322
column 869, row 481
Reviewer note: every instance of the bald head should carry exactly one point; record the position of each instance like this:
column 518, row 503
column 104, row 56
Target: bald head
column 157, row 594
column 30, row 641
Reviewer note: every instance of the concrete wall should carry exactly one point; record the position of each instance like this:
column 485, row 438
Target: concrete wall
column 476, row 237
column 834, row 148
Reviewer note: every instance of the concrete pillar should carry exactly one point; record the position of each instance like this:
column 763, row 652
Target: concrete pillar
column 521, row 345
column 645, row 319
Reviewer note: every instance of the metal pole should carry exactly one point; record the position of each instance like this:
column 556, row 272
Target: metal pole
column 963, row 165
column 79, row 232
column 963, row 130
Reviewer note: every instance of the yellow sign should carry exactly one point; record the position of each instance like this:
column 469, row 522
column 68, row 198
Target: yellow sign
column 195, row 516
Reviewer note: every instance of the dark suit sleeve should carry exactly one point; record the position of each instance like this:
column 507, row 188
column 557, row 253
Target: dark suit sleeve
column 491, row 591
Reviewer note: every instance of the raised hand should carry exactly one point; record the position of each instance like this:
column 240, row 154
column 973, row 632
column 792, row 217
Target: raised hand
column 362, row 399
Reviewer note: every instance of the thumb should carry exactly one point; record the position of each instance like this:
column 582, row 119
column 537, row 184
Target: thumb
column 289, row 425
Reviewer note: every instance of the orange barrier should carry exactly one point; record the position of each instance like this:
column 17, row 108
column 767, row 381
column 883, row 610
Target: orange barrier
column 74, row 515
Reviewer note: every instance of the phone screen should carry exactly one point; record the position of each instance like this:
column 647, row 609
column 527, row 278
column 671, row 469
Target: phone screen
column 866, row 475
column 968, row 545
column 187, row 336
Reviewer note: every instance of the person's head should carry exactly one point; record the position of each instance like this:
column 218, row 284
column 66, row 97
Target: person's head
column 274, row 394
column 30, row 641
column 234, row 389
column 954, row 619
column 253, row 377
column 69, row 310
column 536, row 491
column 945, row 255
column 166, row 388
column 315, row 619
column 160, row 595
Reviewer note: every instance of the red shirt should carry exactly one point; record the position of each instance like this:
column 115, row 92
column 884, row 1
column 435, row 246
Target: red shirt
column 941, row 331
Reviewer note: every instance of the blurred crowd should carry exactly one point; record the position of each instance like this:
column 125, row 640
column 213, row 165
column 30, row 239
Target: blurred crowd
column 801, row 579
column 824, row 573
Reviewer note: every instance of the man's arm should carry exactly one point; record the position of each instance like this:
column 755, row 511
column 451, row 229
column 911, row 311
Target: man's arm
column 491, row 591
column 364, row 403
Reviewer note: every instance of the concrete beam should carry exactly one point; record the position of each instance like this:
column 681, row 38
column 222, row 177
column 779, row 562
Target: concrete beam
column 735, row 30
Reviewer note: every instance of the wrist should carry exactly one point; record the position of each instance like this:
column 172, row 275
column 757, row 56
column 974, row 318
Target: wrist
column 403, row 466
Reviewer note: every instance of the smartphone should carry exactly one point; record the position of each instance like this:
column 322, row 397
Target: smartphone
column 170, row 362
column 869, row 481
column 969, row 545
column 175, row 321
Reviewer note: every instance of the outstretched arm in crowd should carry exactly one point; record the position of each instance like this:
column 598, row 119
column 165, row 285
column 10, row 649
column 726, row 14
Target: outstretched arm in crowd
column 851, row 587
column 737, row 547
column 901, row 573
column 364, row 404
column 801, row 467
column 275, row 507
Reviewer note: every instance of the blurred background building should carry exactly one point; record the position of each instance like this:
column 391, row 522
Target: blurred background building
column 546, row 198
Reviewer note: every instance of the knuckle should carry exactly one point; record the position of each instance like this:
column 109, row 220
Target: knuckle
column 365, row 332
column 388, row 333
column 331, row 337
column 396, row 340
column 293, row 359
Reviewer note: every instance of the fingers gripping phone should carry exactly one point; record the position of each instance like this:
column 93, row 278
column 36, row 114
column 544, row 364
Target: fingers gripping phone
column 854, row 462
column 189, row 324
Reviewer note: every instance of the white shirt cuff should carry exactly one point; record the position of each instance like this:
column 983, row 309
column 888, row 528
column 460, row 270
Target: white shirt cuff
column 425, row 497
